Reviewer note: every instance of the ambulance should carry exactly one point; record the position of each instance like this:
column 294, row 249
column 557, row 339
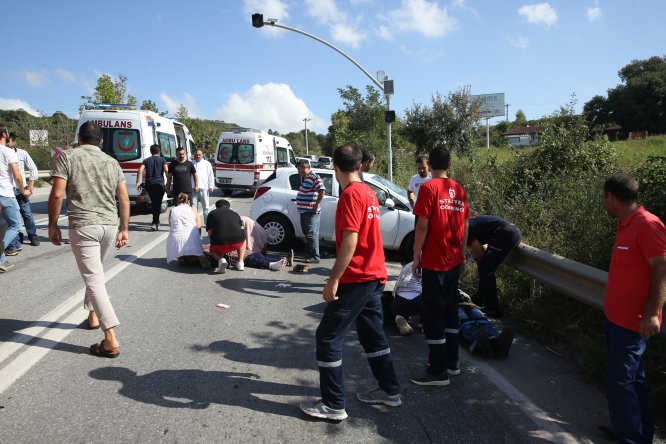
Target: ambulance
column 129, row 133
column 246, row 157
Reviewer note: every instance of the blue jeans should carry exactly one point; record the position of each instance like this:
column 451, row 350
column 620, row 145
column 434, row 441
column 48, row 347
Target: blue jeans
column 360, row 303
column 626, row 386
column 310, row 227
column 259, row 260
column 440, row 318
column 12, row 215
column 201, row 196
column 28, row 220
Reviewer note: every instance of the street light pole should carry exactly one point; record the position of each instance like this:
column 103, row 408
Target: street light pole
column 305, row 121
column 258, row 22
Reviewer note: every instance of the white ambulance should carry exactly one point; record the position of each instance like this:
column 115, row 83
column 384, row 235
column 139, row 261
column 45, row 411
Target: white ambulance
column 246, row 157
column 128, row 135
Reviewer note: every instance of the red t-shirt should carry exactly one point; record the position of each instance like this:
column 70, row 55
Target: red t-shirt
column 358, row 211
column 641, row 237
column 444, row 203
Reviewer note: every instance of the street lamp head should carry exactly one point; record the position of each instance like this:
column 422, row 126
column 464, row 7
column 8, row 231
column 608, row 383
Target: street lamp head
column 257, row 20
column 272, row 21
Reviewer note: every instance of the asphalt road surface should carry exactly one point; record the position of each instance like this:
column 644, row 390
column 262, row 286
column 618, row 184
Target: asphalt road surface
column 191, row 372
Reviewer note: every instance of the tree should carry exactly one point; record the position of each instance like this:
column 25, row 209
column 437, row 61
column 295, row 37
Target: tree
column 149, row 105
column 521, row 119
column 596, row 112
column 108, row 91
column 450, row 121
column 182, row 114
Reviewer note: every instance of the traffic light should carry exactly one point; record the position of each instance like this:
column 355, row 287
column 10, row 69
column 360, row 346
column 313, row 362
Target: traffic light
column 257, row 20
column 389, row 116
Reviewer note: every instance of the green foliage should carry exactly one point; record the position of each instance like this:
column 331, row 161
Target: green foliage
column 149, row 105
column 652, row 179
column 297, row 141
column 108, row 91
column 450, row 121
column 520, row 120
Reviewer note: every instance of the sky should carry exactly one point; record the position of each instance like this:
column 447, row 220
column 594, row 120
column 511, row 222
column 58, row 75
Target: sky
column 206, row 55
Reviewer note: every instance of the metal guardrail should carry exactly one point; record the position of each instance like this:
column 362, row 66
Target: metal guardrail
column 581, row 282
column 44, row 174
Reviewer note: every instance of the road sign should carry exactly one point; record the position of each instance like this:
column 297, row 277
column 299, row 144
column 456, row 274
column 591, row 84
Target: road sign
column 492, row 105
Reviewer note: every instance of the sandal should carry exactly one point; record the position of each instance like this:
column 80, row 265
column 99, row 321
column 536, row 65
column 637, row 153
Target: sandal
column 301, row 268
column 99, row 350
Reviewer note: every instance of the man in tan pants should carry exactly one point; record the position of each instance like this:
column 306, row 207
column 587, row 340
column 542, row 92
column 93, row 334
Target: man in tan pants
column 92, row 181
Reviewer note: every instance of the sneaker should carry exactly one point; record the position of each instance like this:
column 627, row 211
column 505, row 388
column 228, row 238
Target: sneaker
column 319, row 410
column 403, row 325
column 441, row 380
column 6, row 267
column 276, row 266
column 504, row 342
column 10, row 251
column 240, row 266
column 221, row 266
column 453, row 369
column 311, row 260
column 33, row 241
column 20, row 237
column 153, row 227
column 379, row 396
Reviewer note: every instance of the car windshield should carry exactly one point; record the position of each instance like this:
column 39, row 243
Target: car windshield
column 388, row 184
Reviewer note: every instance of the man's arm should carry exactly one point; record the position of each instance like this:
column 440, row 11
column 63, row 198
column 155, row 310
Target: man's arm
column 649, row 324
column 211, row 178
column 320, row 196
column 464, row 246
column 169, row 175
column 34, row 172
column 124, row 211
column 342, row 259
column 18, row 180
column 55, row 204
column 139, row 177
column 419, row 240
column 410, row 197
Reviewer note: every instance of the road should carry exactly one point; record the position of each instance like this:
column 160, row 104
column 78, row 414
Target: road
column 192, row 372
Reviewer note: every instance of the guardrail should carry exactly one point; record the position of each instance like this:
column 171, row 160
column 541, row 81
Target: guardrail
column 44, row 174
column 581, row 282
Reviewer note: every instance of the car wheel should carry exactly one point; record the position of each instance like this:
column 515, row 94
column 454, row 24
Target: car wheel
column 407, row 247
column 227, row 193
column 279, row 229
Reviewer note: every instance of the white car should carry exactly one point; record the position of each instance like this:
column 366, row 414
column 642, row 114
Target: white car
column 274, row 208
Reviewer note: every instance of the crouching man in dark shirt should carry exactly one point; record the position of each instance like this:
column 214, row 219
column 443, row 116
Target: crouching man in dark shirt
column 226, row 233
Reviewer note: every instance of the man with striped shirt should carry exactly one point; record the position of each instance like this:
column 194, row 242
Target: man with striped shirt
column 308, row 199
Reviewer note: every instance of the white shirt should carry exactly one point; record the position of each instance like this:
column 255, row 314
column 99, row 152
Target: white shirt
column 204, row 174
column 7, row 156
column 25, row 160
column 415, row 183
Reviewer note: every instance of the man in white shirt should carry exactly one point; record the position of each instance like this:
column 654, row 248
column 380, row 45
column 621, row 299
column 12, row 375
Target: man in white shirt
column 206, row 179
column 9, row 208
column 417, row 180
column 24, row 203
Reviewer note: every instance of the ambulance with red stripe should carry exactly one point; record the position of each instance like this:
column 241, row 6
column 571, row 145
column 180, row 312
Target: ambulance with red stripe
column 128, row 135
column 246, row 157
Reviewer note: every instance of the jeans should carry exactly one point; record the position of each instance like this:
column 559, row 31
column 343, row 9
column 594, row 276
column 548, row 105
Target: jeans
column 259, row 260
column 310, row 227
column 12, row 215
column 90, row 246
column 201, row 196
column 406, row 307
column 503, row 241
column 28, row 220
column 440, row 318
column 156, row 193
column 360, row 303
column 626, row 386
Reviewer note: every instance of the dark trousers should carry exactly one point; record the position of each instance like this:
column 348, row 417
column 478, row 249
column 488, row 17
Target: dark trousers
column 406, row 307
column 626, row 386
column 440, row 317
column 259, row 260
column 503, row 241
column 156, row 193
column 360, row 303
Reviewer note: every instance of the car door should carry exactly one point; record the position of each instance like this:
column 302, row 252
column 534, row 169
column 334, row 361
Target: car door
column 389, row 222
column 328, row 206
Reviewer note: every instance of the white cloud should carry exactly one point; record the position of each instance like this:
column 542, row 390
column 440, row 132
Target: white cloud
column 347, row 34
column 67, row 77
column 16, row 104
column 33, row 77
column 275, row 9
column 460, row 4
column 539, row 14
column 419, row 16
column 519, row 42
column 593, row 13
column 269, row 106
column 171, row 105
column 343, row 29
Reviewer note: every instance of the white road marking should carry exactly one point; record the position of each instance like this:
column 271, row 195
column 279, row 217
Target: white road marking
column 71, row 307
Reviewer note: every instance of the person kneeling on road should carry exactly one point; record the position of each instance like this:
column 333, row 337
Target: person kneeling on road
column 184, row 240
column 256, row 240
column 225, row 229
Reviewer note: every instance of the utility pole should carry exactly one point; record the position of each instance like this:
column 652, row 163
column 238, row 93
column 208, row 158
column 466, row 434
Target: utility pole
column 305, row 121
column 507, row 111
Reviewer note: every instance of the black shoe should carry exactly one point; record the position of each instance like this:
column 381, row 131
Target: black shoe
column 11, row 251
column 33, row 241
column 503, row 343
column 441, row 380
column 483, row 344
column 20, row 237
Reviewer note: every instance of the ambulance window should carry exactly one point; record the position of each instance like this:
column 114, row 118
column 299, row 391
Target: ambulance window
column 292, row 159
column 239, row 153
column 282, row 156
column 125, row 144
column 245, row 154
column 225, row 152
column 167, row 144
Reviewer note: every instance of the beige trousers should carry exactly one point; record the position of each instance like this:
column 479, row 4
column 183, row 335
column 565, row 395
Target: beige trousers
column 90, row 246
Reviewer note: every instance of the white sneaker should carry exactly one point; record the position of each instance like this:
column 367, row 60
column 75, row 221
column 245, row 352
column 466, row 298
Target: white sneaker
column 275, row 266
column 221, row 266
column 240, row 266
column 403, row 325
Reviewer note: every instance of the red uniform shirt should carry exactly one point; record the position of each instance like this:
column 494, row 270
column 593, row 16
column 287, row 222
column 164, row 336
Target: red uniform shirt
column 444, row 203
column 641, row 237
column 358, row 211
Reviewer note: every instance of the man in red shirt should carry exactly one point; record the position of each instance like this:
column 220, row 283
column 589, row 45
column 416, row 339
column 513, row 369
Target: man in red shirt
column 635, row 296
column 353, row 293
column 439, row 256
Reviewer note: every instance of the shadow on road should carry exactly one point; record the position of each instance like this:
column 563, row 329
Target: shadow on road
column 269, row 288
column 10, row 331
